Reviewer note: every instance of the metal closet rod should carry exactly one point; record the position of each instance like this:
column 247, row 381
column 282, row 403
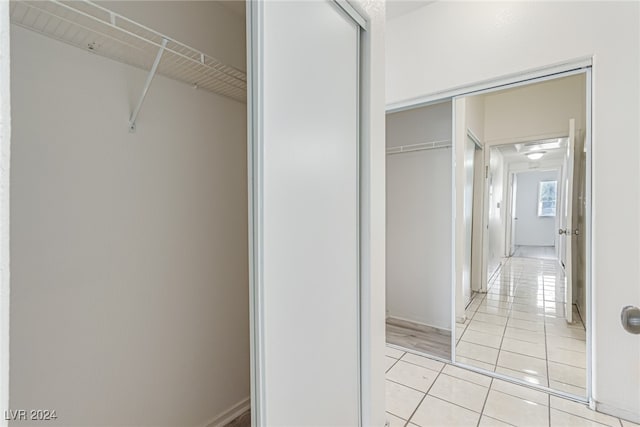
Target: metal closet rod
column 432, row 145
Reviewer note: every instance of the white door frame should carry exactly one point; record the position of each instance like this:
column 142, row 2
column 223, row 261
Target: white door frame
column 554, row 71
column 371, row 211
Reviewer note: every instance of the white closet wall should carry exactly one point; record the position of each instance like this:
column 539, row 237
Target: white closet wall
column 419, row 218
column 129, row 299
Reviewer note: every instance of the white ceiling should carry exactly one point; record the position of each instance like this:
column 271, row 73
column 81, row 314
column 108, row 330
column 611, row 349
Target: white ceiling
column 396, row 8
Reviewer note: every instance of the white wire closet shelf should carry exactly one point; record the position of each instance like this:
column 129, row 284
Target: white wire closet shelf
column 96, row 29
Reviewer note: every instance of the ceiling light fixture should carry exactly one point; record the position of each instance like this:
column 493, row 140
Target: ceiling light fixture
column 536, row 156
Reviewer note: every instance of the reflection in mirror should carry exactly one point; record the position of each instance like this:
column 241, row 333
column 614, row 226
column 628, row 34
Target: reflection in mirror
column 419, row 225
column 520, row 293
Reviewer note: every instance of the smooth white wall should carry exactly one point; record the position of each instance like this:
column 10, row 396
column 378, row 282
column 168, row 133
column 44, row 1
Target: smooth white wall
column 531, row 229
column 418, row 125
column 129, row 251
column 485, row 40
column 419, row 237
column 419, row 218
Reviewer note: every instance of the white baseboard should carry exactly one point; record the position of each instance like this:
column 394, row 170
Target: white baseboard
column 230, row 414
column 625, row 414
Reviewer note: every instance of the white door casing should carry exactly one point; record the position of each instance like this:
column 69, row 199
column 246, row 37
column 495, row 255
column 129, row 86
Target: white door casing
column 469, row 155
column 304, row 126
column 566, row 221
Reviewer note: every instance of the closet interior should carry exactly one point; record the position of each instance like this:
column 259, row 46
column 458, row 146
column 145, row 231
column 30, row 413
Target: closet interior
column 129, row 269
column 419, row 221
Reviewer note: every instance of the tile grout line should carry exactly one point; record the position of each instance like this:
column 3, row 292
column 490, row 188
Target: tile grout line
column 580, row 416
column 456, row 404
column 481, row 361
column 522, row 398
column 394, row 363
column 407, row 386
column 425, row 395
column 523, row 282
column 504, row 331
column 517, row 352
column 567, row 364
column 546, row 354
column 422, row 366
column 548, row 397
column 527, row 283
column 485, row 402
column 463, row 379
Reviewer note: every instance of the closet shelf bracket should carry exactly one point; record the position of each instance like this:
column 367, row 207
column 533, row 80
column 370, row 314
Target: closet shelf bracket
column 147, row 84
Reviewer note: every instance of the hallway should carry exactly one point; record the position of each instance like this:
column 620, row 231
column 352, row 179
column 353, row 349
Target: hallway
column 518, row 328
column 424, row 392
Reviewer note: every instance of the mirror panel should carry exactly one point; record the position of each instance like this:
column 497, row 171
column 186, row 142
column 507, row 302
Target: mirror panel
column 521, row 298
column 419, row 213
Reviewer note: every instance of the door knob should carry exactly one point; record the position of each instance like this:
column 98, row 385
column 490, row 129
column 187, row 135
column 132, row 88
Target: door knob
column 630, row 318
column 561, row 231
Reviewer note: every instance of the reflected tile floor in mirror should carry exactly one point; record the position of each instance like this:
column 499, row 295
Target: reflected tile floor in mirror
column 423, row 392
column 518, row 328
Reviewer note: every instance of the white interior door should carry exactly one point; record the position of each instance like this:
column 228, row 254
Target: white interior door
column 469, row 156
column 304, row 143
column 566, row 227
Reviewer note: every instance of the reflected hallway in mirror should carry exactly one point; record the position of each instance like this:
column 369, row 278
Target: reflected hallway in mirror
column 527, row 316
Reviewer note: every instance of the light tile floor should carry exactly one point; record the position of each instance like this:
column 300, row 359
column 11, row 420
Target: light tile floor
column 424, row 392
column 518, row 328
column 540, row 252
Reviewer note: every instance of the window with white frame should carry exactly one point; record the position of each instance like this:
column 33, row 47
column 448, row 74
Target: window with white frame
column 547, row 197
